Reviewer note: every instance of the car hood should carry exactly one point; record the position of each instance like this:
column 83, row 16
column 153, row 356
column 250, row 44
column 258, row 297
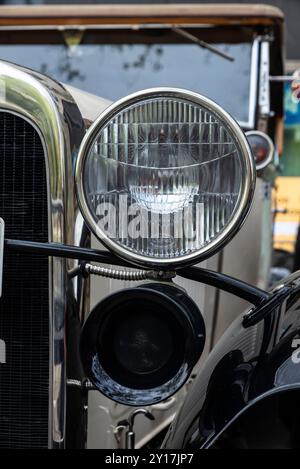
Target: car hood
column 90, row 105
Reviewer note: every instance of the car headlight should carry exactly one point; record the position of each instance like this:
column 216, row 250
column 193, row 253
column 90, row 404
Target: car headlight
column 165, row 177
column 262, row 147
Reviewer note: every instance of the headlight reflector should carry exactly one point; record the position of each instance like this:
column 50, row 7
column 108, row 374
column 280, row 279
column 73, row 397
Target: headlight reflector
column 165, row 176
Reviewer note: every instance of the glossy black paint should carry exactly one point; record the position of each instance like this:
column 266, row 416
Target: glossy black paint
column 139, row 345
column 243, row 290
column 224, row 282
column 249, row 373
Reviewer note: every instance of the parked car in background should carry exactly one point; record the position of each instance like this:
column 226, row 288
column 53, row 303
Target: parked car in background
column 61, row 67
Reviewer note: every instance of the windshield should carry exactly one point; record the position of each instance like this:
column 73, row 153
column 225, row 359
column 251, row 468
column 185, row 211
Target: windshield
column 113, row 70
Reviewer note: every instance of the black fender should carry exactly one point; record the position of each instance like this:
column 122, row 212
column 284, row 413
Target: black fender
column 272, row 421
column 256, row 360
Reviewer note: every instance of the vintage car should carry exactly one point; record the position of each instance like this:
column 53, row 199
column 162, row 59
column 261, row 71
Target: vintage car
column 165, row 150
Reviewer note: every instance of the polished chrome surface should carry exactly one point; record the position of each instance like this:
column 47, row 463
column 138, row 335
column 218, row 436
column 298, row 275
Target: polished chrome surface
column 52, row 111
column 264, row 99
column 135, row 275
column 253, row 87
column 248, row 178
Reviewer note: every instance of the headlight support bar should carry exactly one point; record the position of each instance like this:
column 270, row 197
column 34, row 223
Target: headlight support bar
column 236, row 287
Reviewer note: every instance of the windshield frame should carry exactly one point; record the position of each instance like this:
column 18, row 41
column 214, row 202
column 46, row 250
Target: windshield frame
column 253, row 92
column 236, row 34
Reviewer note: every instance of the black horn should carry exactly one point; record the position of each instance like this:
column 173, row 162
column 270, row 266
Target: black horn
column 139, row 345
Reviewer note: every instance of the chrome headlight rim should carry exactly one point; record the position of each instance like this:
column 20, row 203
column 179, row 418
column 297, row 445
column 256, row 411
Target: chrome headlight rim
column 248, row 178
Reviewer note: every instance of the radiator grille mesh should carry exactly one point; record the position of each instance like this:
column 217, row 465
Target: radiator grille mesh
column 24, row 306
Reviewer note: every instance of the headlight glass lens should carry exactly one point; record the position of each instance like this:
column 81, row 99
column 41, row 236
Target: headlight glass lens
column 163, row 178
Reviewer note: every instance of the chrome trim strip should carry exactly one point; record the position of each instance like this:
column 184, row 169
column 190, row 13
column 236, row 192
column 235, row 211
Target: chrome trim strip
column 253, row 87
column 46, row 104
column 264, row 102
column 248, row 178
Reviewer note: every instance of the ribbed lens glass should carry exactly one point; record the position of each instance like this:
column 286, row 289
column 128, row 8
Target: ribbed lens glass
column 164, row 178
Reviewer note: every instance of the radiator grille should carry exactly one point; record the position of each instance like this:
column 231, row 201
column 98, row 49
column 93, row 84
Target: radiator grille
column 24, row 306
